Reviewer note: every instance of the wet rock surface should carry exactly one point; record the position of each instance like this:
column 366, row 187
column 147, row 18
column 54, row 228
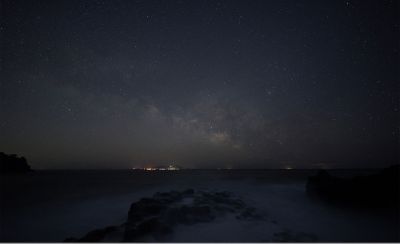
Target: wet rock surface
column 93, row 236
column 154, row 219
column 169, row 209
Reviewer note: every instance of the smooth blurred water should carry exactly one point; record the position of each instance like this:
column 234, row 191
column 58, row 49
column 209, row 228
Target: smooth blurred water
column 53, row 205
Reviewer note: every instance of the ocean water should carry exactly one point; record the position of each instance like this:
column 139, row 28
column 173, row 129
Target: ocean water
column 49, row 206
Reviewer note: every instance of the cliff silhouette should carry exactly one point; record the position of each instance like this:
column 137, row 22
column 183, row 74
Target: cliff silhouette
column 11, row 163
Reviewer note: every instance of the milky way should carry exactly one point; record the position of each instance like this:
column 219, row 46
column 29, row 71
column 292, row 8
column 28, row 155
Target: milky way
column 244, row 84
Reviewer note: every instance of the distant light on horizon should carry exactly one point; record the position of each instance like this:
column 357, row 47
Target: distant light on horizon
column 169, row 168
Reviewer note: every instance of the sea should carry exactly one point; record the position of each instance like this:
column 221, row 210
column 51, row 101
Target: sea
column 52, row 205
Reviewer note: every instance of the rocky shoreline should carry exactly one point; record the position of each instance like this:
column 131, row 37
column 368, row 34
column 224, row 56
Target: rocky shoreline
column 162, row 217
column 155, row 218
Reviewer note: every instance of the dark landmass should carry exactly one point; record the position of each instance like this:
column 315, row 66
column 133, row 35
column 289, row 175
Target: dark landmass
column 11, row 163
column 376, row 190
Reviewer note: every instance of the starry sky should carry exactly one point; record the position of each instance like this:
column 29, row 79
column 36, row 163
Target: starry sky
column 204, row 84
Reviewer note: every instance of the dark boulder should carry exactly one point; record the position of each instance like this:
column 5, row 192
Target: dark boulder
column 93, row 236
column 152, row 227
column 376, row 190
column 144, row 208
column 190, row 215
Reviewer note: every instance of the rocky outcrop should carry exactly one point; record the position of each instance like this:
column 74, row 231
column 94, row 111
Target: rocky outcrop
column 377, row 190
column 11, row 163
column 154, row 219
column 94, row 236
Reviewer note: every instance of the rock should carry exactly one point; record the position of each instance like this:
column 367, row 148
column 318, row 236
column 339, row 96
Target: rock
column 151, row 227
column 11, row 163
column 93, row 236
column 154, row 218
column 144, row 208
column 190, row 215
column 377, row 190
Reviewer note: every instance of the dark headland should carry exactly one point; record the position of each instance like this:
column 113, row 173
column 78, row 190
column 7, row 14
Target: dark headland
column 375, row 190
column 11, row 163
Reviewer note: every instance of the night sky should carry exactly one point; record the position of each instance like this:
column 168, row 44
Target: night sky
column 207, row 84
